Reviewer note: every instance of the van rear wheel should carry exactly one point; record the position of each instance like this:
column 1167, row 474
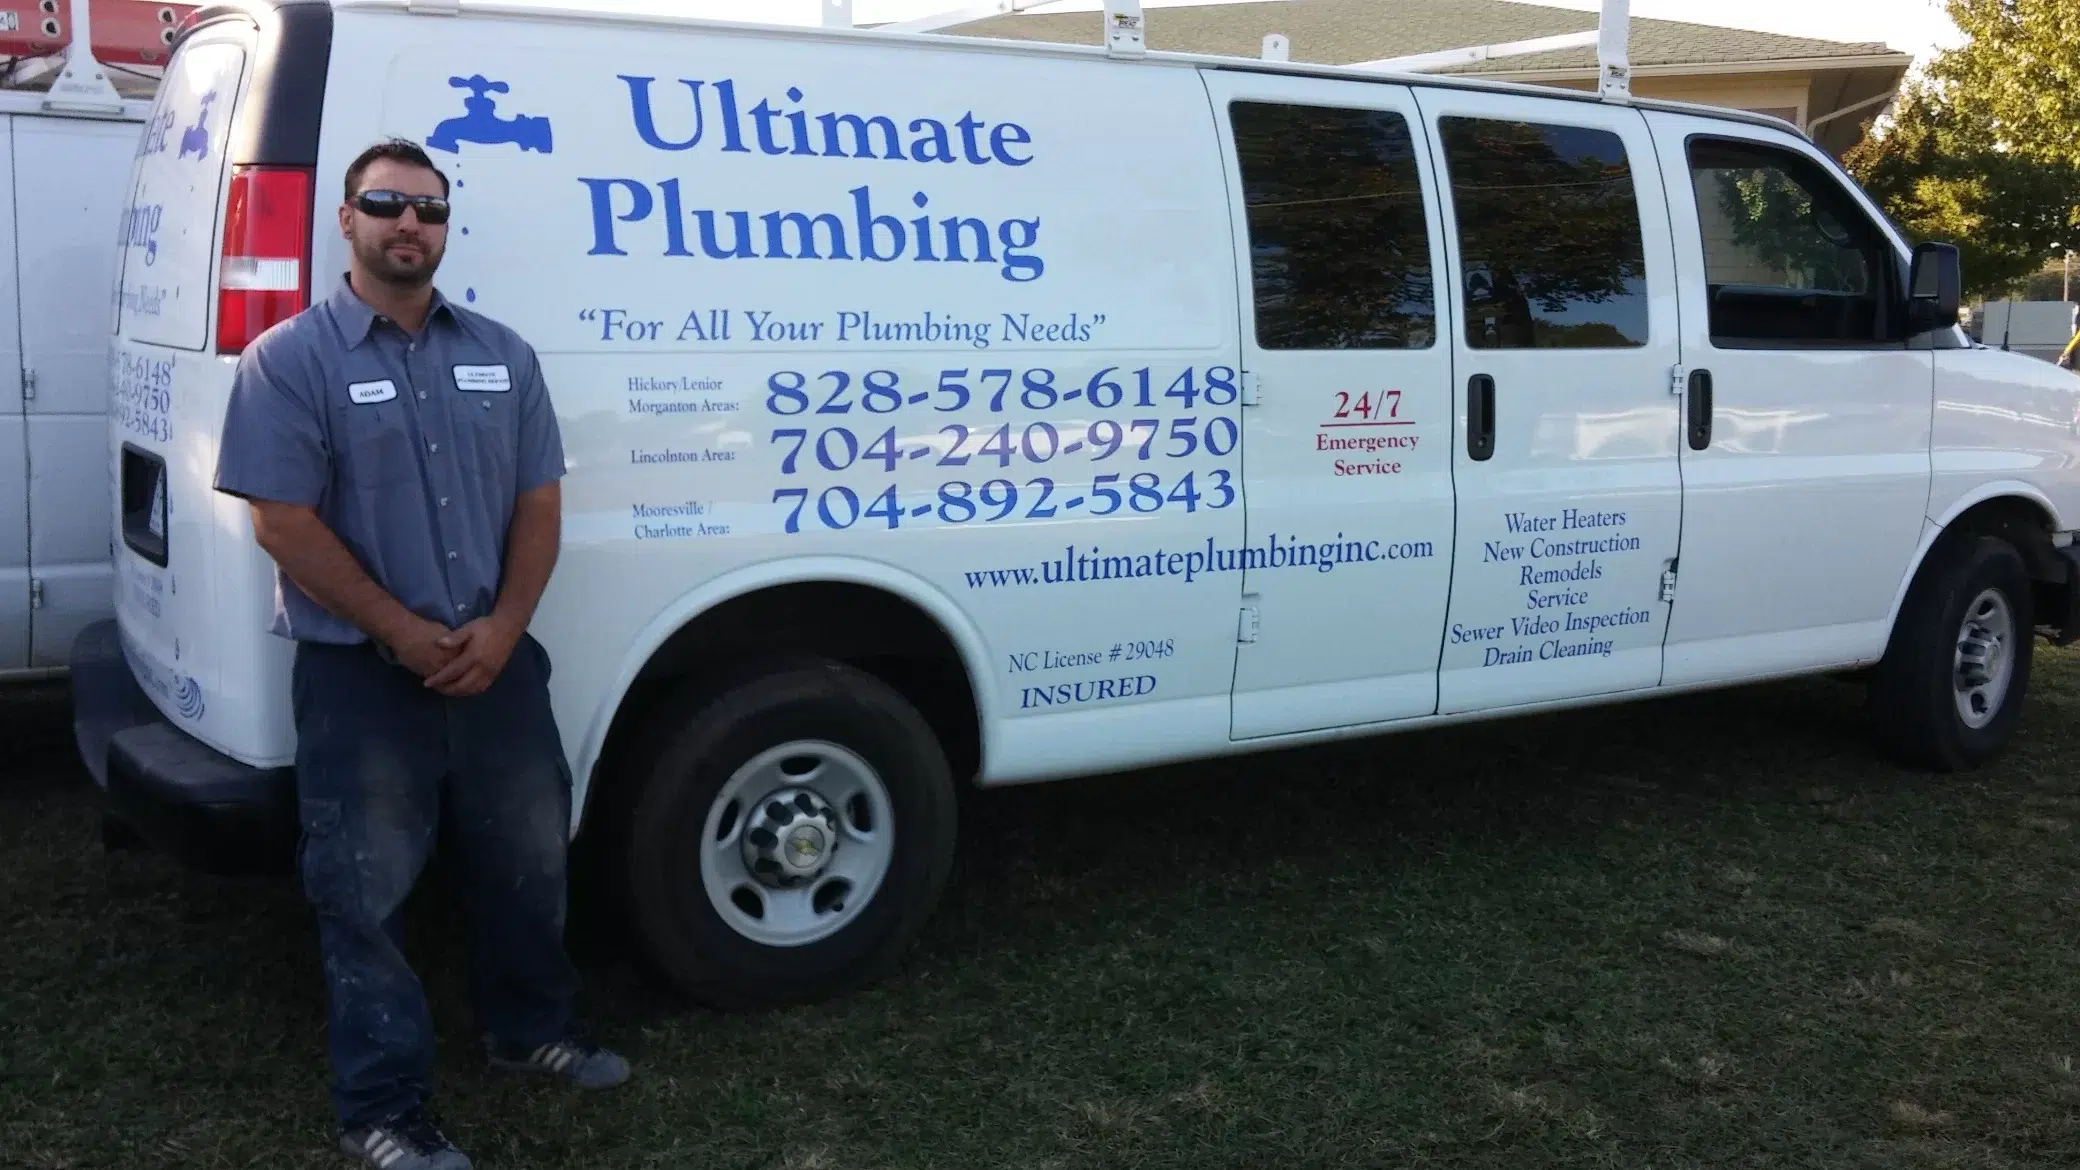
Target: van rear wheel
column 1954, row 678
column 793, row 831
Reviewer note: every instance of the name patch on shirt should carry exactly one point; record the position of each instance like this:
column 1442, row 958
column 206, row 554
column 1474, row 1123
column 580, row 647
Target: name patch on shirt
column 369, row 393
column 489, row 379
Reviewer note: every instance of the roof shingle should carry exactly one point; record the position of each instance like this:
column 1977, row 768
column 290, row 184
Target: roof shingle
column 1339, row 32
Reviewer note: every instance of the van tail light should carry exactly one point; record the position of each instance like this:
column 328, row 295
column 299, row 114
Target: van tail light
column 265, row 276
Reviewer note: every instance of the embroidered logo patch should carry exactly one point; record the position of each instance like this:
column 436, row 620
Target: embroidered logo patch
column 489, row 379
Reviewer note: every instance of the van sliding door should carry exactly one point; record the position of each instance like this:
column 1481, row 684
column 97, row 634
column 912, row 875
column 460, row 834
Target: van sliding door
column 1347, row 451
column 1570, row 497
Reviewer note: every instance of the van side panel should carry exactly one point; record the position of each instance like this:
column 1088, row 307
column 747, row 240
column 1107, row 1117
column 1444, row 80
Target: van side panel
column 965, row 314
column 2005, row 416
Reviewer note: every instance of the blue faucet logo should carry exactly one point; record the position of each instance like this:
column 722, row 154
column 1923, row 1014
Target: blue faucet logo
column 196, row 138
column 482, row 124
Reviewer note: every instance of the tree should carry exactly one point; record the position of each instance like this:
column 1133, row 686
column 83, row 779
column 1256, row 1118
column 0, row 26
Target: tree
column 1984, row 150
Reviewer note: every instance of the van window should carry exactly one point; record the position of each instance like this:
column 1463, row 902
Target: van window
column 1789, row 259
column 1549, row 235
column 167, row 235
column 1339, row 244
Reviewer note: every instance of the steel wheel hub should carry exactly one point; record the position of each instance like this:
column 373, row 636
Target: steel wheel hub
column 790, row 838
column 796, row 843
column 1985, row 661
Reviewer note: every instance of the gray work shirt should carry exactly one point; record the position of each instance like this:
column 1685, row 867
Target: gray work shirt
column 411, row 449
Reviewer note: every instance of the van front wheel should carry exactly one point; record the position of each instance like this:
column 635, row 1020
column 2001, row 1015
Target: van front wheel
column 793, row 833
column 1953, row 680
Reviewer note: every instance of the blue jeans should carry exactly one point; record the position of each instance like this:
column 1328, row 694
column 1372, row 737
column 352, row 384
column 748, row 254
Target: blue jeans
column 378, row 759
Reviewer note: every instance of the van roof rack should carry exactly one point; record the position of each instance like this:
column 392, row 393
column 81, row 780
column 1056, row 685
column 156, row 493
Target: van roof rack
column 1126, row 36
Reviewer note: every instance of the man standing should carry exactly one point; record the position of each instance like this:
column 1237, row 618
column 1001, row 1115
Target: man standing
column 403, row 464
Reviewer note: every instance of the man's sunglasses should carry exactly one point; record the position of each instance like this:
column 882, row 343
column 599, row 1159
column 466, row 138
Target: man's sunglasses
column 432, row 209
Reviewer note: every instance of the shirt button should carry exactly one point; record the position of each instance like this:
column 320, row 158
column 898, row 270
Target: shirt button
column 444, row 501
column 435, row 447
column 422, row 393
column 451, row 556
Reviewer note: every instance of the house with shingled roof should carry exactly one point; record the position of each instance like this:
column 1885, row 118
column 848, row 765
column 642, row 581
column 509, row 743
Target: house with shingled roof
column 1830, row 89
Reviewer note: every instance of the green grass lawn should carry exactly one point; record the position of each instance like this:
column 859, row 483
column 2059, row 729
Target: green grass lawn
column 1704, row 931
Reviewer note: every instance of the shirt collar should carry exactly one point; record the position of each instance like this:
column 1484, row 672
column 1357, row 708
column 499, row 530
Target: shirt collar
column 356, row 318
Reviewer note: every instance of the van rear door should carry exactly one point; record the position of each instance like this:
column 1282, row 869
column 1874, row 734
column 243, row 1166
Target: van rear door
column 14, row 444
column 65, row 268
column 163, row 372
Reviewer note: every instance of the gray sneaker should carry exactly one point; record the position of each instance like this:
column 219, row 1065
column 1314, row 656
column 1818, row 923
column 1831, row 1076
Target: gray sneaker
column 409, row 1141
column 577, row 1062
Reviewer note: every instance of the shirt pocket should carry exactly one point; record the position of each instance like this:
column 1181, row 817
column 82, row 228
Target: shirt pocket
column 374, row 445
column 491, row 420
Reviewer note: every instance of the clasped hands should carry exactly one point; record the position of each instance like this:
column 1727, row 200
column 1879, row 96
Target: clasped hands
column 458, row 662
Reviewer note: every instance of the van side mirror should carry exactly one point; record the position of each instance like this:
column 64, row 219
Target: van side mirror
column 1933, row 283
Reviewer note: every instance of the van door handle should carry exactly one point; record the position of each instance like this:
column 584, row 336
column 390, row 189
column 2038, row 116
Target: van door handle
column 1480, row 416
column 1700, row 409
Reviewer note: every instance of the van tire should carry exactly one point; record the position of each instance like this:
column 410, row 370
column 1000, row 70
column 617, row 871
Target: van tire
column 1913, row 691
column 699, row 737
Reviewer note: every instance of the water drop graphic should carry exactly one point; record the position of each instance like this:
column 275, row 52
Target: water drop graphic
column 469, row 294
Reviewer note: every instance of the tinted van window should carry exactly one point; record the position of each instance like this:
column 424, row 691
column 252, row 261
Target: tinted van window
column 1789, row 257
column 1339, row 243
column 1549, row 235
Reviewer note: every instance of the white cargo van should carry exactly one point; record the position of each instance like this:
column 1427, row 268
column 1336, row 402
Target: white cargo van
column 61, row 191
column 70, row 123
column 946, row 412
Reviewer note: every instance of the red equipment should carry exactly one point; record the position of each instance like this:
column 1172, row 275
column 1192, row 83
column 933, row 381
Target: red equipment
column 125, row 32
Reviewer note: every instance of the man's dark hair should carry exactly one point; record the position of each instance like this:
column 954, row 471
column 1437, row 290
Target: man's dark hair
column 396, row 150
